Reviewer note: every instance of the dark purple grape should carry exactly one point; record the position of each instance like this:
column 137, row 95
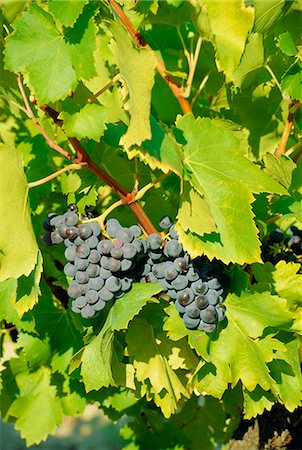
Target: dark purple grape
column 113, row 284
column 114, row 265
column 189, row 322
column 180, row 265
column 117, row 253
column 180, row 282
column 87, row 312
column 185, row 297
column 126, row 264
column 92, row 296
column 212, row 296
column 96, row 229
column 199, row 287
column 125, row 235
column 154, row 241
column 94, row 256
column 165, row 222
column 70, row 270
column 192, row 310
column 96, row 283
column 179, row 307
column 70, row 253
column 73, row 290
column 72, row 233
column 55, row 237
column 80, row 263
column 105, row 295
column 93, row 270
column 201, row 301
column 105, row 247
column 80, row 302
column 209, row 315
column 172, row 248
column 136, row 230
column 81, row 277
column 129, row 251
column 85, row 230
column 99, row 305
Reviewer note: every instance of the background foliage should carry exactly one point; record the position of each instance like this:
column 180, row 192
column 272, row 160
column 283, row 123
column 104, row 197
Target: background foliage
column 201, row 112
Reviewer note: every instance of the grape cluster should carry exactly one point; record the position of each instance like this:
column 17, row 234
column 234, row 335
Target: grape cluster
column 196, row 291
column 282, row 246
column 104, row 268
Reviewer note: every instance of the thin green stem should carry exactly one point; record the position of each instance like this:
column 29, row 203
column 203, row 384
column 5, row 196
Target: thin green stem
column 54, row 175
column 194, row 61
column 104, row 89
column 270, row 71
column 101, row 219
column 150, row 185
column 200, row 88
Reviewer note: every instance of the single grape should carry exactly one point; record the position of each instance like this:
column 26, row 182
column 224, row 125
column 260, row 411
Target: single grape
column 189, row 322
column 112, row 227
column 94, row 256
column 92, row 242
column 55, row 237
column 105, row 295
column 126, row 284
column 72, row 233
column 154, row 241
column 96, row 283
column 47, row 239
column 209, row 315
column 99, row 305
column 74, row 308
column 201, row 301
column 80, row 302
column 83, row 250
column 105, row 246
column 114, row 265
column 164, row 285
column 212, row 296
column 170, row 272
column 70, row 253
column 96, row 229
column 165, row 222
column 173, row 233
column 136, row 230
column 220, row 313
column 213, row 283
column 73, row 290
column 85, row 230
column 117, row 243
column 87, row 312
column 129, row 251
column 158, row 270
column 104, row 273
column 93, row 270
column 199, row 287
column 113, row 284
column 172, row 248
column 56, row 221
column 92, row 296
column 62, row 229
column 70, row 270
column 181, row 309
column 81, row 277
column 180, row 282
column 46, row 224
column 146, row 269
column 117, row 253
column 126, row 264
column 172, row 293
column 104, row 262
column 276, row 237
column 125, row 235
column 180, row 264
column 138, row 245
column 192, row 310
column 84, row 288
column 72, row 207
column 79, row 241
column 71, row 218
column 192, row 274
column 185, row 297
column 80, row 263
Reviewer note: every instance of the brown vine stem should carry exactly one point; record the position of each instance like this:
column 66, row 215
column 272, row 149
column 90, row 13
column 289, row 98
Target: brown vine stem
column 293, row 108
column 160, row 66
column 54, row 175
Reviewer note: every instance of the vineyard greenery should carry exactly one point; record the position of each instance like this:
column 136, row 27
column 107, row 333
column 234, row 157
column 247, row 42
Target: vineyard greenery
column 136, row 110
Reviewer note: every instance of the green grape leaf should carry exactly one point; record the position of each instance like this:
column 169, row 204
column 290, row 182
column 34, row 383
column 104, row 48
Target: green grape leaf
column 128, row 306
column 28, row 290
column 66, row 11
column 36, row 395
column 280, row 168
column 245, row 351
column 137, row 69
column 288, row 282
column 194, row 213
column 291, row 83
column 226, row 179
column 8, row 312
column 70, row 182
column 256, row 402
column 230, row 32
column 285, row 369
column 159, row 152
column 252, row 59
column 88, row 122
column 267, row 13
column 286, row 44
column 48, row 68
column 83, row 43
column 151, row 365
column 18, row 246
column 37, row 351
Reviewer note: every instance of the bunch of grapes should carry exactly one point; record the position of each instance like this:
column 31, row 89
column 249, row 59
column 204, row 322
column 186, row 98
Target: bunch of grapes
column 196, row 291
column 281, row 246
column 103, row 268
